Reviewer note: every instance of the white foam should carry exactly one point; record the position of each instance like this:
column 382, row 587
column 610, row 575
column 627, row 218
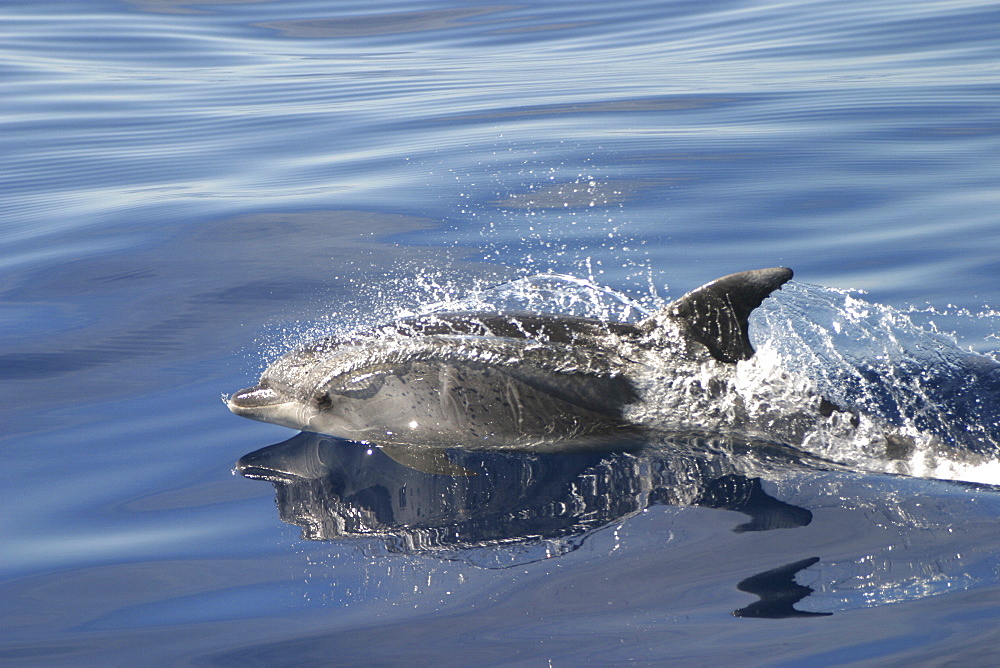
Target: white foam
column 987, row 473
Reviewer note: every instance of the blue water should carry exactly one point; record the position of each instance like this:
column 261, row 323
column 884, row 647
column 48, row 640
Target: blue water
column 189, row 187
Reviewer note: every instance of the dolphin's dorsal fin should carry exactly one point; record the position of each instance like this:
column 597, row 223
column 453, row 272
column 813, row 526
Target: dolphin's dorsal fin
column 716, row 313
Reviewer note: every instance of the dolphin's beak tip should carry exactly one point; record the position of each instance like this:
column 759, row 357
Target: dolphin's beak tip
column 252, row 398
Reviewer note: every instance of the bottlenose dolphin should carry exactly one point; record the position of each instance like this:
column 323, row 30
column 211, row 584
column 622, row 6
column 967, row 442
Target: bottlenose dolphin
column 516, row 380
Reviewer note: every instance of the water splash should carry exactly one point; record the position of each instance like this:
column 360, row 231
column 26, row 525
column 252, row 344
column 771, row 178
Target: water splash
column 546, row 293
column 876, row 360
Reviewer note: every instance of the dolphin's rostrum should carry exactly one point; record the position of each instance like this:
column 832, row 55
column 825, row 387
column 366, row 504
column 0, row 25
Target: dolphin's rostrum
column 500, row 379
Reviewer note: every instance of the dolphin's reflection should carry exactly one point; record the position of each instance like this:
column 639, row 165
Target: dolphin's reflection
column 439, row 503
column 339, row 489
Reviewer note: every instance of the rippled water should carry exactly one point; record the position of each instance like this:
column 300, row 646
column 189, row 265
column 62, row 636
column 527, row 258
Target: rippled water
column 189, row 187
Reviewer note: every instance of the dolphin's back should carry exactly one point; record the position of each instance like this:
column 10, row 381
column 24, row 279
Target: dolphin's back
column 512, row 325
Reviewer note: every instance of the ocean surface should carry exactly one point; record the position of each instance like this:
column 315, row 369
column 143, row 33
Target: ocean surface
column 188, row 189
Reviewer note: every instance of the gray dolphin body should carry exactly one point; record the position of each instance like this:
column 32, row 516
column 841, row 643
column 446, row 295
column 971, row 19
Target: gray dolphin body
column 501, row 379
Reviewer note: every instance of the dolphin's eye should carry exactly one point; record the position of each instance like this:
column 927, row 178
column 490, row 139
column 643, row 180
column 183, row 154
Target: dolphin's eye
column 322, row 400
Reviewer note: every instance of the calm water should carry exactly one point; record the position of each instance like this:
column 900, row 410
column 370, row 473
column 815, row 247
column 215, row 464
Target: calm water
column 189, row 187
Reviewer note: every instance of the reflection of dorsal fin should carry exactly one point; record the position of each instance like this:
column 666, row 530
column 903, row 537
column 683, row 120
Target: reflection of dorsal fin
column 425, row 460
column 716, row 313
column 778, row 592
